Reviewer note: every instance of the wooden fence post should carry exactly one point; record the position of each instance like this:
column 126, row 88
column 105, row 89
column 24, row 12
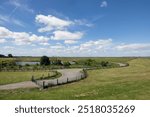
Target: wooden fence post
column 43, row 84
column 57, row 81
column 67, row 80
column 32, row 78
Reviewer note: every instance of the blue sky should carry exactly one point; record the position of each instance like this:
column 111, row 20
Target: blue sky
column 75, row 27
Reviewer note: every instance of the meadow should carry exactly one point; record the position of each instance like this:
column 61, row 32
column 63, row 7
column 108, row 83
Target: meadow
column 18, row 76
column 78, row 59
column 125, row 83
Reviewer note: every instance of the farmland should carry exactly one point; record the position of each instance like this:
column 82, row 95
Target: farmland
column 130, row 82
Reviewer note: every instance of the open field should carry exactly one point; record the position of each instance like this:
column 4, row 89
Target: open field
column 132, row 82
column 98, row 59
column 14, row 77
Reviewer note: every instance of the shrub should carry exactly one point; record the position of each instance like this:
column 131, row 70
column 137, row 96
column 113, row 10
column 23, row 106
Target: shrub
column 10, row 55
column 66, row 64
column 44, row 60
column 104, row 63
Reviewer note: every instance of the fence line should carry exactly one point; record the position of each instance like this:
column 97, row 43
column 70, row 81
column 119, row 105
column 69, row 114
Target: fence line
column 50, row 83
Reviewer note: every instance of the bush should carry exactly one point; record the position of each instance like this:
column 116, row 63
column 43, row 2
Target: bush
column 90, row 62
column 10, row 55
column 66, row 64
column 104, row 63
column 44, row 60
column 57, row 62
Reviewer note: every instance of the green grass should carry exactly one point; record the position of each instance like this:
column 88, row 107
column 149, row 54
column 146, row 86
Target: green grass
column 98, row 59
column 7, row 60
column 13, row 77
column 131, row 82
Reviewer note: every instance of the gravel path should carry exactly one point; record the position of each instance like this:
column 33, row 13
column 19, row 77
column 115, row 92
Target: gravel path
column 71, row 74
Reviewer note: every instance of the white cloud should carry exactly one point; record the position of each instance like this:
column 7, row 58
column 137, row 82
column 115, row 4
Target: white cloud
column 4, row 33
column 133, row 47
column 44, row 44
column 89, row 48
column 57, row 47
column 3, row 40
column 65, row 35
column 100, row 47
column 21, row 38
column 52, row 23
column 70, row 42
column 99, row 44
column 59, row 28
column 8, row 47
column 104, row 4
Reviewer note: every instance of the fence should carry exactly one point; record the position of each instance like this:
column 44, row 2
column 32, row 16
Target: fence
column 60, row 81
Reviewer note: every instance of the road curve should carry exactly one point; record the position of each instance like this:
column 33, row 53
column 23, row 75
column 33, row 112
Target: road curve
column 66, row 73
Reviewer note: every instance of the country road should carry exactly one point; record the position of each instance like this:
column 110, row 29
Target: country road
column 71, row 74
column 67, row 74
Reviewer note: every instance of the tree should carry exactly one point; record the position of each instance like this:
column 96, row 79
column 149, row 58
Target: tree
column 104, row 63
column 90, row 62
column 10, row 55
column 44, row 60
column 57, row 62
column 2, row 56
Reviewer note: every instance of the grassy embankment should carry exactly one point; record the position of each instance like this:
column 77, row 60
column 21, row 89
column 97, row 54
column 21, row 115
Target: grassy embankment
column 132, row 82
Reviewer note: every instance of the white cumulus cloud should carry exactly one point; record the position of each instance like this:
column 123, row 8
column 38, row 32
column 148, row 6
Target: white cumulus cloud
column 65, row 35
column 70, row 42
column 21, row 38
column 3, row 40
column 52, row 23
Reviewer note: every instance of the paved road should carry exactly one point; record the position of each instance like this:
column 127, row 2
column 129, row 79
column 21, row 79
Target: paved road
column 67, row 75
column 26, row 84
column 122, row 64
column 71, row 74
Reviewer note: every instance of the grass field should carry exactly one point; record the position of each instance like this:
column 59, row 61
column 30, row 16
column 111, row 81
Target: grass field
column 131, row 82
column 98, row 59
column 13, row 77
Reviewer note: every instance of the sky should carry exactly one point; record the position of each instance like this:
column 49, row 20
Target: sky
column 95, row 28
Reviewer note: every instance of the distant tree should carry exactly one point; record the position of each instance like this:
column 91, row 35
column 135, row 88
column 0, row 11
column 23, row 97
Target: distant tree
column 90, row 62
column 27, row 65
column 104, row 63
column 1, row 55
column 57, row 62
column 10, row 55
column 44, row 60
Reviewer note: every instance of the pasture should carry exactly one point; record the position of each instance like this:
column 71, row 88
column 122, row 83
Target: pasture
column 14, row 77
column 132, row 82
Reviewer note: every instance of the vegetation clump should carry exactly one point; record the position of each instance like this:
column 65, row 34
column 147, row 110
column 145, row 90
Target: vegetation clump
column 44, row 60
